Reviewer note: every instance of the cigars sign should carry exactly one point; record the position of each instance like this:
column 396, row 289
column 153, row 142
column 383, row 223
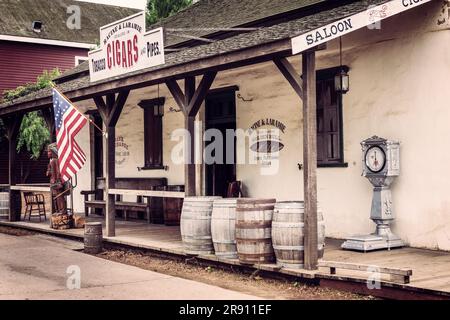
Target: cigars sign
column 334, row 30
column 125, row 46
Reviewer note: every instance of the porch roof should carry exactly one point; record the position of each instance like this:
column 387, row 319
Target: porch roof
column 240, row 50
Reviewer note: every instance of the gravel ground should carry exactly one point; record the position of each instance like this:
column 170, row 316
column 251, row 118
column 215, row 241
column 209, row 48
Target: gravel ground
column 253, row 284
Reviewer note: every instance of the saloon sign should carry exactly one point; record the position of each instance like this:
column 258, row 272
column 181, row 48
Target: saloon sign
column 125, row 46
column 339, row 28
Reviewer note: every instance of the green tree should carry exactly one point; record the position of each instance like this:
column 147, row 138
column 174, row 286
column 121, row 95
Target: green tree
column 34, row 134
column 160, row 9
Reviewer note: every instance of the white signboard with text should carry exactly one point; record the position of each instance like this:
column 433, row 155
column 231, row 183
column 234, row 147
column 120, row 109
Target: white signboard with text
column 125, row 46
column 341, row 27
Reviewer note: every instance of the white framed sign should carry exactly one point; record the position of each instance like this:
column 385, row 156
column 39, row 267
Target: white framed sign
column 125, row 46
column 349, row 24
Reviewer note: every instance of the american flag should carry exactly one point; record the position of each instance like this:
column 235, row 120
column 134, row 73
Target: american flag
column 68, row 121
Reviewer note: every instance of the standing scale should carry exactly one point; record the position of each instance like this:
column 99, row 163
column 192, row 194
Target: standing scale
column 381, row 164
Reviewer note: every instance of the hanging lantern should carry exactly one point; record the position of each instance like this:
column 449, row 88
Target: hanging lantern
column 342, row 82
column 342, row 79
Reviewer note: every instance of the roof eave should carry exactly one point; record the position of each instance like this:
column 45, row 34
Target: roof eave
column 230, row 60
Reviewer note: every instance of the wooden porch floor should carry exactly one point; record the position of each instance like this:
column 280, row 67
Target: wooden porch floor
column 431, row 269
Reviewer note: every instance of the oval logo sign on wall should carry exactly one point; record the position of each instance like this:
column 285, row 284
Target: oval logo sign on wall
column 265, row 140
column 267, row 146
column 122, row 151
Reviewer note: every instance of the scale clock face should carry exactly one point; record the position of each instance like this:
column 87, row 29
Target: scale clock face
column 375, row 159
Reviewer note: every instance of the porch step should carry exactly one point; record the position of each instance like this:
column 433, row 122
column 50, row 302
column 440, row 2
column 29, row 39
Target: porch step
column 397, row 275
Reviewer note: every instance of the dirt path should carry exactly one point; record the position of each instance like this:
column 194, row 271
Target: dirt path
column 238, row 281
column 16, row 232
column 252, row 284
column 39, row 268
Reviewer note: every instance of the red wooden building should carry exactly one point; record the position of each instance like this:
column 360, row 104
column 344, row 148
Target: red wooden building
column 38, row 35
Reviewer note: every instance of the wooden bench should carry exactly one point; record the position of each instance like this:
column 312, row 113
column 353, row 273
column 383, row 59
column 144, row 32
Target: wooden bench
column 397, row 275
column 151, row 207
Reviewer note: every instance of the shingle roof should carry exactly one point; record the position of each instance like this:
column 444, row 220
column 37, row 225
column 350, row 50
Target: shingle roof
column 16, row 17
column 262, row 36
column 209, row 14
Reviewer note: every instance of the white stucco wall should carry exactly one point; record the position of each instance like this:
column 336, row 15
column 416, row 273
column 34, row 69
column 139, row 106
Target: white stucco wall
column 399, row 77
column 84, row 175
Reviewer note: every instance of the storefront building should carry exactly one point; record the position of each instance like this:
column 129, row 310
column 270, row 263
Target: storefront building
column 398, row 71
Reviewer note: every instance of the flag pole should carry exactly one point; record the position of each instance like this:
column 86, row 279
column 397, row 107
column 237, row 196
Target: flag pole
column 87, row 118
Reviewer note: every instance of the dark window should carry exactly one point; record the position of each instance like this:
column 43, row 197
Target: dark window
column 153, row 139
column 329, row 120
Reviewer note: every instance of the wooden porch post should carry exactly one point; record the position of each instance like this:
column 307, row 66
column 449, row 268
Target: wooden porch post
column 12, row 124
column 110, row 113
column 310, row 158
column 189, row 122
column 306, row 89
column 190, row 102
column 50, row 121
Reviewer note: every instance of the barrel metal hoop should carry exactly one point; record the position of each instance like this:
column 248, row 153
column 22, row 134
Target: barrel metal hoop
column 301, row 248
column 265, row 208
column 225, row 242
column 256, row 201
column 256, row 255
column 267, row 240
column 250, row 225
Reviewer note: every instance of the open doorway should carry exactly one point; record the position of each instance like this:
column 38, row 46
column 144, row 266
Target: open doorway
column 97, row 176
column 220, row 114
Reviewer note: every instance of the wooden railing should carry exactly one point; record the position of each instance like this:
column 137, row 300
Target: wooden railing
column 147, row 193
column 31, row 187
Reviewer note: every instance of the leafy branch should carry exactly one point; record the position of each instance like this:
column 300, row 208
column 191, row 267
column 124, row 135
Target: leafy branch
column 43, row 81
column 34, row 134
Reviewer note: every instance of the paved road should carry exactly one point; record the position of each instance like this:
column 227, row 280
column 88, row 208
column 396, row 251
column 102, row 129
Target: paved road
column 35, row 267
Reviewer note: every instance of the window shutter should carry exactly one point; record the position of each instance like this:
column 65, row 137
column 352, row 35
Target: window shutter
column 329, row 120
column 153, row 135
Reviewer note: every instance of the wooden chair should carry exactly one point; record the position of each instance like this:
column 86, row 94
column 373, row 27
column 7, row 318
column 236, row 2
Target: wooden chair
column 234, row 189
column 34, row 206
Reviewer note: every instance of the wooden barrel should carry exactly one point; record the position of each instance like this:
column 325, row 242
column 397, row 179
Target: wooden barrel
column 321, row 232
column 4, row 205
column 173, row 207
column 253, row 230
column 196, row 225
column 223, row 225
column 93, row 237
column 288, row 233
